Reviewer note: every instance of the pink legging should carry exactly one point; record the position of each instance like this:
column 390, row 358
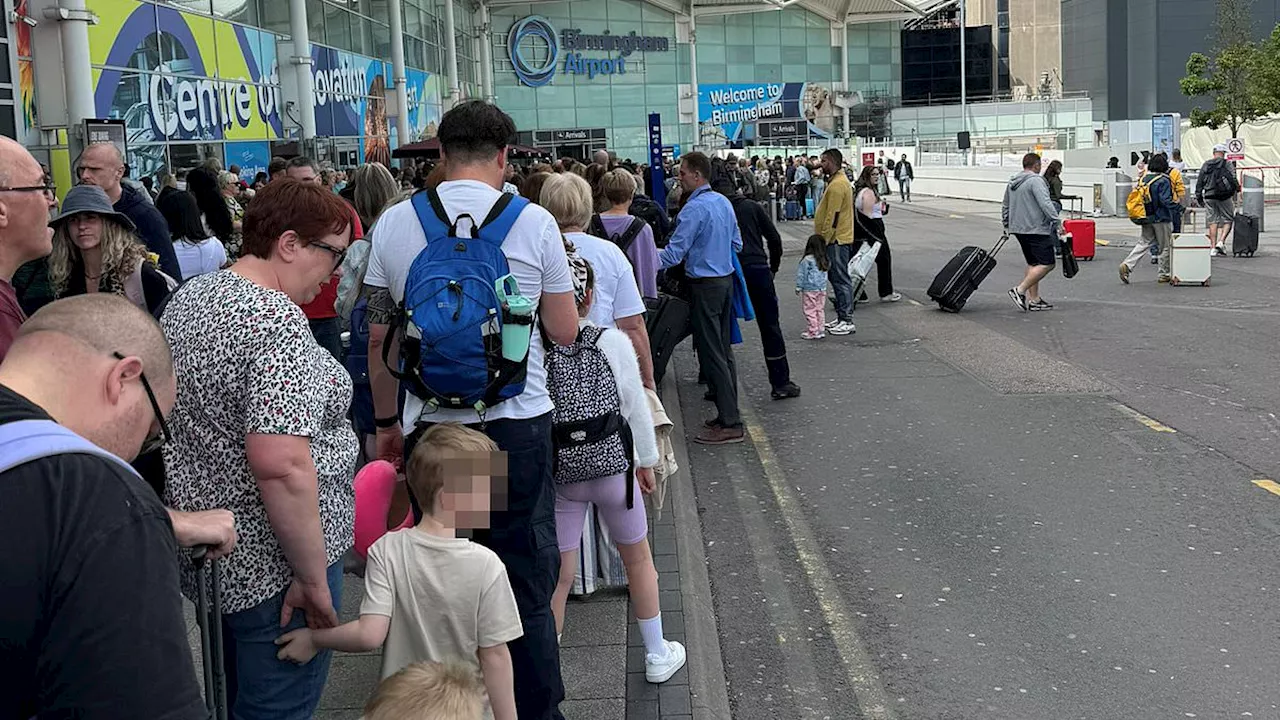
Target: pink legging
column 814, row 303
column 609, row 495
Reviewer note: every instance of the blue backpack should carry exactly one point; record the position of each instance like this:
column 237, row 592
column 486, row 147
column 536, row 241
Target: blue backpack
column 452, row 316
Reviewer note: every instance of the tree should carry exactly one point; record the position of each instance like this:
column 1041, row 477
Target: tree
column 1235, row 78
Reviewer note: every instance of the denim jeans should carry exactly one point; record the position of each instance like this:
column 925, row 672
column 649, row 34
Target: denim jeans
column 260, row 687
column 841, row 284
column 524, row 537
column 328, row 334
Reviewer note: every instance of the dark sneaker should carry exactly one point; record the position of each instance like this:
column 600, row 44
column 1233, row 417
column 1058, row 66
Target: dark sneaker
column 790, row 390
column 713, row 422
column 720, row 435
column 1019, row 299
column 1155, row 260
column 1039, row 305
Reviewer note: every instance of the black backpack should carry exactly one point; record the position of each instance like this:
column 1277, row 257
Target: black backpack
column 623, row 239
column 1222, row 185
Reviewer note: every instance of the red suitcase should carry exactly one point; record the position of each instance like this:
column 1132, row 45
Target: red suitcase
column 1082, row 233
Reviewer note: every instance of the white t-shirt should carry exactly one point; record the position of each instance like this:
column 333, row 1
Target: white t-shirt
column 198, row 258
column 446, row 597
column 535, row 254
column 616, row 294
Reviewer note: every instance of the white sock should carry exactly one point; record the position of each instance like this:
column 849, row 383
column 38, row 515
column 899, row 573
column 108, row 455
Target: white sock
column 651, row 631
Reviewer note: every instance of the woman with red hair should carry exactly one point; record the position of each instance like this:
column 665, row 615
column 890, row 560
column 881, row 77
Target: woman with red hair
column 261, row 429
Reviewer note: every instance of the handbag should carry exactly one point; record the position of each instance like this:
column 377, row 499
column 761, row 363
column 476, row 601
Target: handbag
column 1070, row 266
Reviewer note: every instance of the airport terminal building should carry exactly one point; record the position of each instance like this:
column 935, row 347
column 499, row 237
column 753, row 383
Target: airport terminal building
column 352, row 80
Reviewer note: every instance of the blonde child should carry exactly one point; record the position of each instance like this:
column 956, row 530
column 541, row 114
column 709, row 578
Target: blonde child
column 430, row 595
column 428, row 691
column 811, row 286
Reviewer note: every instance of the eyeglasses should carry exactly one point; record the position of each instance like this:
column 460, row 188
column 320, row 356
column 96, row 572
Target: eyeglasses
column 48, row 190
column 156, row 440
column 338, row 255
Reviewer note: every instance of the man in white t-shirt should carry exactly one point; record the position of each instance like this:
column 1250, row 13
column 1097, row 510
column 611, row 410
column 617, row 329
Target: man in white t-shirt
column 473, row 140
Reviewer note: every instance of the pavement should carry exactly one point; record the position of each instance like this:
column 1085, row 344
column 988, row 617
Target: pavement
column 995, row 514
column 601, row 652
column 978, row 516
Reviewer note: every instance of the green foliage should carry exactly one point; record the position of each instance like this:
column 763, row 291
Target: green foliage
column 1241, row 78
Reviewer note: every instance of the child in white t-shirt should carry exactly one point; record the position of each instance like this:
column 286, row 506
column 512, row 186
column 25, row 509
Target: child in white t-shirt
column 431, row 596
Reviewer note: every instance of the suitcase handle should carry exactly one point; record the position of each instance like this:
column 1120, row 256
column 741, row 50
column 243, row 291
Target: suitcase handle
column 1004, row 238
column 209, row 617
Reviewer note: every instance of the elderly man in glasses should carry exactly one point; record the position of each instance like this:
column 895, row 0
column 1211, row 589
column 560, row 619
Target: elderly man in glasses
column 91, row 621
column 26, row 200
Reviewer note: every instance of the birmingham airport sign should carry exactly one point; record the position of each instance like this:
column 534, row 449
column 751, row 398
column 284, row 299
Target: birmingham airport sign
column 535, row 49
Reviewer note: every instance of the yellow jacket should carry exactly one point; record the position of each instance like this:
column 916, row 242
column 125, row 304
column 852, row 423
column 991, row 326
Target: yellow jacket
column 833, row 218
column 1179, row 187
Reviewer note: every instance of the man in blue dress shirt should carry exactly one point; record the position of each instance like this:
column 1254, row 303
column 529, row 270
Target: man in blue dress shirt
column 705, row 239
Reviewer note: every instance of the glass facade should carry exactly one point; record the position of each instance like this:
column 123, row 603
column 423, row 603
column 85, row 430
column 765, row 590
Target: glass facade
column 193, row 79
column 784, row 62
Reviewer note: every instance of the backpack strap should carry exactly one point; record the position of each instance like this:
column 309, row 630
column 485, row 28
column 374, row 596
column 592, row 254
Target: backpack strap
column 432, row 216
column 497, row 225
column 596, row 226
column 23, row 441
column 629, row 235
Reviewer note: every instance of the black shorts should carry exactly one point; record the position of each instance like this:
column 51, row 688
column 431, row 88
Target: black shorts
column 1038, row 249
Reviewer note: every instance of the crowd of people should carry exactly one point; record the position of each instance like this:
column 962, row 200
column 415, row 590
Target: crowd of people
column 244, row 349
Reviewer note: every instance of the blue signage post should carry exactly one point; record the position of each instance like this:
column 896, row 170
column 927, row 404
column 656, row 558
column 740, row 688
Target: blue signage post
column 657, row 178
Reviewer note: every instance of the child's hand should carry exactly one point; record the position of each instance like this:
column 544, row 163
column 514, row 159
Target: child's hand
column 296, row 646
column 644, row 476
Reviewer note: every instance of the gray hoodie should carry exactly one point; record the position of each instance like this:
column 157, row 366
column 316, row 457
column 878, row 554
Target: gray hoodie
column 1027, row 209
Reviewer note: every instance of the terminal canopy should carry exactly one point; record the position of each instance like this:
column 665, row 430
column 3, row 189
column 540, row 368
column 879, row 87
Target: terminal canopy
column 837, row 11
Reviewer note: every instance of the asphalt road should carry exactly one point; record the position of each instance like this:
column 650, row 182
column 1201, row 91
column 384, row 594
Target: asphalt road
column 1005, row 515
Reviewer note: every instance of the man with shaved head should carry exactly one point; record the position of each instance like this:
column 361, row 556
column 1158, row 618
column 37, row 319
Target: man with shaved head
column 101, row 164
column 91, row 620
column 26, row 198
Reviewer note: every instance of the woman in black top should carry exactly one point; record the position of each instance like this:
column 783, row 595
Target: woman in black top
column 1053, row 175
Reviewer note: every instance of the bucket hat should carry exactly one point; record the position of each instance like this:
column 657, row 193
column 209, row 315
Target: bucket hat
column 90, row 199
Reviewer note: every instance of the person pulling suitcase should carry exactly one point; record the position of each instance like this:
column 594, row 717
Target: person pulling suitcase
column 1029, row 214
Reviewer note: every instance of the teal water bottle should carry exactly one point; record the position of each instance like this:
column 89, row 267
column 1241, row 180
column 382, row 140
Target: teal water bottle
column 517, row 318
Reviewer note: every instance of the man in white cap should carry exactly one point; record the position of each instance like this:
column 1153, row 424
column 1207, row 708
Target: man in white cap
column 1216, row 187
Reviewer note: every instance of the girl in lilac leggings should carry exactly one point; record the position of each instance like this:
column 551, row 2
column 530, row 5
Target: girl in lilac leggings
column 609, row 494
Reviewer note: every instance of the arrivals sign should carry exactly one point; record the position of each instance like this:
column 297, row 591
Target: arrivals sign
column 535, row 49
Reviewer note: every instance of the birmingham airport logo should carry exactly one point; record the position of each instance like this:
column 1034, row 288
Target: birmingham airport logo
column 534, row 50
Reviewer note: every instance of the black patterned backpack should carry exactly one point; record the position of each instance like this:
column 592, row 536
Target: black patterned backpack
column 591, row 438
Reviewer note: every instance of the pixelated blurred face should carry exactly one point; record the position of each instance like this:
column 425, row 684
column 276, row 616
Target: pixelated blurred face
column 474, row 487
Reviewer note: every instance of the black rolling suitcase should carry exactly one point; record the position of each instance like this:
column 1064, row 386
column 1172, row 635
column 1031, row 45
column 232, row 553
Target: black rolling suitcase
column 963, row 274
column 209, row 617
column 1244, row 235
column 667, row 320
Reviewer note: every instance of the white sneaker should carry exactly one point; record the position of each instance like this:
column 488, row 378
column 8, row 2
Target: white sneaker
column 842, row 328
column 831, row 323
column 660, row 669
column 895, row 297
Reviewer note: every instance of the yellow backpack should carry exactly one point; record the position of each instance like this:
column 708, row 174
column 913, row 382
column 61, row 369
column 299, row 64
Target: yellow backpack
column 1140, row 198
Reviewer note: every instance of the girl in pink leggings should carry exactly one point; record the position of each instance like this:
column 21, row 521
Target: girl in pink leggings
column 583, row 390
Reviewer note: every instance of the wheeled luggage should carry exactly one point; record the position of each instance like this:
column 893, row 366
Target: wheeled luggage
column 963, row 274
column 792, row 211
column 209, row 617
column 1244, row 235
column 860, row 265
column 667, row 321
column 1190, row 258
column 1084, row 235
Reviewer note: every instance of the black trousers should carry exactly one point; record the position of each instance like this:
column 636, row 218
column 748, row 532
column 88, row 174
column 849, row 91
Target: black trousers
column 765, row 301
column 711, row 313
column 524, row 536
column 802, row 191
column 869, row 228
